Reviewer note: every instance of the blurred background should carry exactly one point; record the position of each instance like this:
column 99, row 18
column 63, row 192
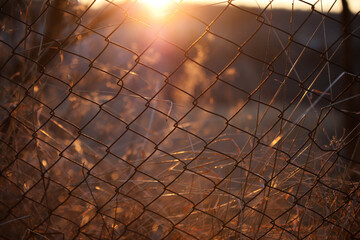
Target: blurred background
column 179, row 119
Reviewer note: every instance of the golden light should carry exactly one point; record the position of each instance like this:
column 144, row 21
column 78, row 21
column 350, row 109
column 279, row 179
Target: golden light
column 158, row 8
column 157, row 4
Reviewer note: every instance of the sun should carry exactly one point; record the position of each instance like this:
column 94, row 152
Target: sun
column 157, row 4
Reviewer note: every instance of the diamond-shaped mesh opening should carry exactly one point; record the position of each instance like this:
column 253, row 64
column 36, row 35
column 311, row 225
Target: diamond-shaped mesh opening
column 165, row 168
column 159, row 226
column 192, row 186
column 142, row 188
column 153, row 125
column 94, row 191
column 132, row 148
column 175, row 32
column 98, row 128
column 206, row 228
column 86, row 110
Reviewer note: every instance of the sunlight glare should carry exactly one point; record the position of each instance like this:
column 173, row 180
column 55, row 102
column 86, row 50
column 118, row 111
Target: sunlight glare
column 160, row 6
column 157, row 5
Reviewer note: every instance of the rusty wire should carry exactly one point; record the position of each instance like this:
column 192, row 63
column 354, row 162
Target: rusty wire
column 211, row 121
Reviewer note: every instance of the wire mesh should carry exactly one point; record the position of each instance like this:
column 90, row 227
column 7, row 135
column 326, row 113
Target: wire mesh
column 191, row 121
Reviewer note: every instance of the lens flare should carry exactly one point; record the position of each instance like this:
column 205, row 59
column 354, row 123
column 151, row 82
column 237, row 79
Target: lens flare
column 157, row 4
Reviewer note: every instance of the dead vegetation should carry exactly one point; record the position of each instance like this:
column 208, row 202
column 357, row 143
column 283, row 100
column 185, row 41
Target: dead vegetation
column 113, row 129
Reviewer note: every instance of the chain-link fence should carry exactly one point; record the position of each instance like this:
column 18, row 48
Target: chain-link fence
column 121, row 120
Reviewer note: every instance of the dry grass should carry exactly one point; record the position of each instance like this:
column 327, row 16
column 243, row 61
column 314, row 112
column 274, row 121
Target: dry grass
column 99, row 143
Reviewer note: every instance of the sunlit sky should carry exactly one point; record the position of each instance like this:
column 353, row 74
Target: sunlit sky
column 320, row 5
